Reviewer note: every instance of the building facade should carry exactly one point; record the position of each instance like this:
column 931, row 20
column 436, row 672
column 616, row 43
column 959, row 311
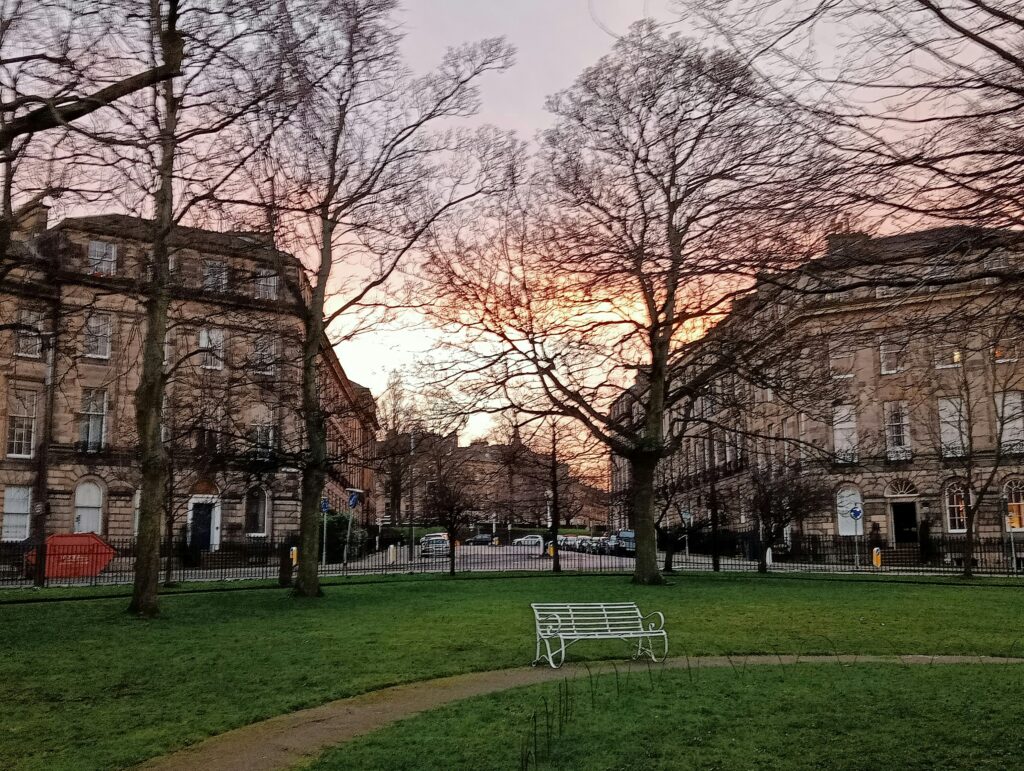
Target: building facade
column 508, row 483
column 72, row 314
column 901, row 392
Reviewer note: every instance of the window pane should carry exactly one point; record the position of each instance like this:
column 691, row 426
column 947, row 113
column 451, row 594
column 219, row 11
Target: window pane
column 17, row 513
column 97, row 335
column 27, row 341
column 102, row 257
column 956, row 512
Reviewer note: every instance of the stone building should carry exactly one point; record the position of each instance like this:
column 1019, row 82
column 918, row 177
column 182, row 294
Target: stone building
column 71, row 315
column 508, row 482
column 902, row 392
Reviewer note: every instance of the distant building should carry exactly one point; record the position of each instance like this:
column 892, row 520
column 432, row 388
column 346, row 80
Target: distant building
column 72, row 311
column 509, row 482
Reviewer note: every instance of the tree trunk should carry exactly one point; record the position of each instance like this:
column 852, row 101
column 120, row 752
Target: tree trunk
column 556, row 561
column 451, row 553
column 148, row 418
column 646, row 570
column 314, row 471
column 670, row 552
column 149, row 394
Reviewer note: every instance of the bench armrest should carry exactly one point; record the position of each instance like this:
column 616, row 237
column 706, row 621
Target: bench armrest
column 548, row 623
column 653, row 626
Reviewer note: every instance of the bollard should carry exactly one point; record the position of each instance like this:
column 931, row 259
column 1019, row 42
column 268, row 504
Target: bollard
column 876, row 557
column 284, row 571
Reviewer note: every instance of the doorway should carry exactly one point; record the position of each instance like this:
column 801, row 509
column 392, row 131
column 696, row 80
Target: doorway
column 904, row 521
column 203, row 533
column 202, row 525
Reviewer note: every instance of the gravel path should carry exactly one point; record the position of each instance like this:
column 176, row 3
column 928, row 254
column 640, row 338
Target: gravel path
column 284, row 741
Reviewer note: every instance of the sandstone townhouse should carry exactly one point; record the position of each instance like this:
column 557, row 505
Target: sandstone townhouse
column 70, row 309
column 906, row 397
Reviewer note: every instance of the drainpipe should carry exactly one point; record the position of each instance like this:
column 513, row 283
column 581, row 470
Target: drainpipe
column 40, row 492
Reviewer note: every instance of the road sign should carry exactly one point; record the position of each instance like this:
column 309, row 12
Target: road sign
column 353, row 499
column 856, row 512
column 325, row 506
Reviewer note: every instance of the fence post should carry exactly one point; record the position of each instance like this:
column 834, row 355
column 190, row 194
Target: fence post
column 40, row 575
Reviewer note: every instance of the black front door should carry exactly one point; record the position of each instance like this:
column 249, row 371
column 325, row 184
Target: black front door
column 904, row 522
column 202, row 525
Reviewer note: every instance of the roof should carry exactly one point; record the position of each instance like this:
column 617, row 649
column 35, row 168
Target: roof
column 181, row 237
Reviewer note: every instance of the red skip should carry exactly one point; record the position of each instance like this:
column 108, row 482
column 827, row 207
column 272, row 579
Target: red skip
column 74, row 555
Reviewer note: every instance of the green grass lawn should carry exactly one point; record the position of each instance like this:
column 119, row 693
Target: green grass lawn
column 787, row 718
column 85, row 686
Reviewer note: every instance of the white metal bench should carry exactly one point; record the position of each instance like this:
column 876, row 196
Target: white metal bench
column 559, row 625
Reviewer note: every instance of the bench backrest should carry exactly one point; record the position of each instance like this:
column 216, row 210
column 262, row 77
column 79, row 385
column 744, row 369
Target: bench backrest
column 580, row 618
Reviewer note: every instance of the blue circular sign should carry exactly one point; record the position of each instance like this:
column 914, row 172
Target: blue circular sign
column 856, row 512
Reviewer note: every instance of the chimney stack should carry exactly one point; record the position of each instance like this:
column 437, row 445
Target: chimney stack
column 33, row 219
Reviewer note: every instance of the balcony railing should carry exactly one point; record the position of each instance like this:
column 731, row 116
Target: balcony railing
column 899, row 454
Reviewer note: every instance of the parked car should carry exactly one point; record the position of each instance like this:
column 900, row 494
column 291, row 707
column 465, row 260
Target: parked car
column 480, row 539
column 583, row 543
column 530, row 542
column 435, row 545
column 623, row 543
column 601, row 545
column 570, row 543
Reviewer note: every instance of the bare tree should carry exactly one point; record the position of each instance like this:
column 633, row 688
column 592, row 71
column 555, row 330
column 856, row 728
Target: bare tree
column 923, row 98
column 363, row 173
column 56, row 68
column 782, row 497
column 666, row 184
column 453, row 489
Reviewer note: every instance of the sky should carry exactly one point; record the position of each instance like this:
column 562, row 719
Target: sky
column 555, row 40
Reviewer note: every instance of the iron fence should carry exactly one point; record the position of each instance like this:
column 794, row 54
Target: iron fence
column 111, row 561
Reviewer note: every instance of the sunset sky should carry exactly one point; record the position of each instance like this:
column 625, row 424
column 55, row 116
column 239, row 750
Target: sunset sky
column 555, row 40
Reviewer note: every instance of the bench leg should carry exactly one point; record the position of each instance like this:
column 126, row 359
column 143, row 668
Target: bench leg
column 549, row 655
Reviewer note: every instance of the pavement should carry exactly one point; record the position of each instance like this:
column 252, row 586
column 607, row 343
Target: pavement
column 287, row 740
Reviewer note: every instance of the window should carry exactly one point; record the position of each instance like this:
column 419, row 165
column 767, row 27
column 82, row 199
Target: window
column 892, row 356
column 996, row 262
column 847, row 499
column 92, row 419
column 947, row 355
column 266, row 285
column 29, row 342
column 1005, row 351
column 840, row 359
column 263, row 437
column 102, row 258
column 952, row 427
column 215, row 275
column 97, row 335
column 844, row 433
column 897, row 431
column 256, row 512
column 17, row 513
column 211, row 343
column 956, row 508
column 264, row 355
column 88, row 508
column 21, row 424
column 1010, row 427
column 1014, row 492
column 206, row 440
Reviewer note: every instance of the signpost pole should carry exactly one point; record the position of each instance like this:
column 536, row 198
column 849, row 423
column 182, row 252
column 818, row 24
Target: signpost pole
column 856, row 513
